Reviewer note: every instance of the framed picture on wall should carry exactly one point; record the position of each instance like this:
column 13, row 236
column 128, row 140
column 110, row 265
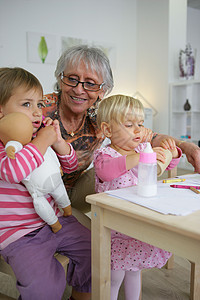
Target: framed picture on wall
column 41, row 48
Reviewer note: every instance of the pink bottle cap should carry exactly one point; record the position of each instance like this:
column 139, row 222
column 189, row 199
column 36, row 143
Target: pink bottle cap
column 148, row 156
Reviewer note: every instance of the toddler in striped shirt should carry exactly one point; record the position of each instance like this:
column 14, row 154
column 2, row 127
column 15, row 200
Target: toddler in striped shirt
column 27, row 242
column 21, row 117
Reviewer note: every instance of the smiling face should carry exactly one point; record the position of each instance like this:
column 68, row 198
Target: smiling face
column 77, row 100
column 28, row 102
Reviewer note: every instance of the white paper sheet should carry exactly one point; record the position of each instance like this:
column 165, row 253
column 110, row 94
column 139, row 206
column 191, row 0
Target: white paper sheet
column 168, row 200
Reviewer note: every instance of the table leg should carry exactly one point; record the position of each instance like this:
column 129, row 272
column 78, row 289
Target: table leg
column 100, row 256
column 170, row 262
column 195, row 281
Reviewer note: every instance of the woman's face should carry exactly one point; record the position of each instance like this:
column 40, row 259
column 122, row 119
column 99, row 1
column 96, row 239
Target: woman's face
column 76, row 99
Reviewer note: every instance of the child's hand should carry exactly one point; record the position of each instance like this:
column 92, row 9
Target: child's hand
column 170, row 144
column 160, row 154
column 48, row 134
column 60, row 145
column 147, row 135
column 46, row 137
column 55, row 123
column 47, row 121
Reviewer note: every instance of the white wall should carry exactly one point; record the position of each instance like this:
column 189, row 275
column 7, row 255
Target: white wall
column 110, row 22
column 152, row 41
column 176, row 35
column 193, row 35
column 160, row 36
column 113, row 22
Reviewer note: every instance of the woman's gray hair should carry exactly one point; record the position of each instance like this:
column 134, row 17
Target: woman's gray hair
column 93, row 58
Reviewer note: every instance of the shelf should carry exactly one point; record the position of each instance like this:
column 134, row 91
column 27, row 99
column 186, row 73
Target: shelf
column 185, row 123
column 184, row 82
column 187, row 112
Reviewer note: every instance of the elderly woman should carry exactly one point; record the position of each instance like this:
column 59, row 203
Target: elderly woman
column 84, row 77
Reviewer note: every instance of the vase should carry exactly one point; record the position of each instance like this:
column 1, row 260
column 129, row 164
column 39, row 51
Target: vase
column 187, row 105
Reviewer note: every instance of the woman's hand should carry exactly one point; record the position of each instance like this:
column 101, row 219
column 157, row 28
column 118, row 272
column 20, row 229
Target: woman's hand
column 192, row 153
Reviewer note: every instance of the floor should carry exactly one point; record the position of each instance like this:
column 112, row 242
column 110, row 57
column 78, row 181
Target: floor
column 157, row 284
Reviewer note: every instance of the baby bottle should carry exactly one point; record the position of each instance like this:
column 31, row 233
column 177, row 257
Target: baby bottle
column 147, row 173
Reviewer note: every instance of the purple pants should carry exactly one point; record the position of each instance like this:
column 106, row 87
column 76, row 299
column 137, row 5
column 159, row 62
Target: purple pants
column 39, row 275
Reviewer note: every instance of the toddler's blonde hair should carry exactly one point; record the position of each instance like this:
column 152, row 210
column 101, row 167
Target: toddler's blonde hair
column 116, row 107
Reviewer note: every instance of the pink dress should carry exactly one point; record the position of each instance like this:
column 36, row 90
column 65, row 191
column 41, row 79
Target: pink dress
column 127, row 253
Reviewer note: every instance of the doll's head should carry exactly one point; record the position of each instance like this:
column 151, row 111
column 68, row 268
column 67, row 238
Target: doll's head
column 16, row 127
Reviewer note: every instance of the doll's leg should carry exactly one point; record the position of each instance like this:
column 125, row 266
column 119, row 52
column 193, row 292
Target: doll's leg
column 61, row 198
column 46, row 212
column 132, row 285
column 39, row 274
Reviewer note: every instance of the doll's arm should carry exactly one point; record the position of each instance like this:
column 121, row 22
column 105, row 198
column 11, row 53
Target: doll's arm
column 13, row 147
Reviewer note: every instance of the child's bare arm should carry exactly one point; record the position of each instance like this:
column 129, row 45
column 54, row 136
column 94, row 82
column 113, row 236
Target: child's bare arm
column 132, row 160
column 60, row 145
column 45, row 137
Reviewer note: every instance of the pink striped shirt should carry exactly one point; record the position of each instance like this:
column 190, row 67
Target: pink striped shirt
column 17, row 214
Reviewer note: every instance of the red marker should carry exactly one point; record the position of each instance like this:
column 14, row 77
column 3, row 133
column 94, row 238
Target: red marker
column 184, row 186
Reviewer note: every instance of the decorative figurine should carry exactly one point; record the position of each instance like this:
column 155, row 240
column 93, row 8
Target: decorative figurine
column 187, row 63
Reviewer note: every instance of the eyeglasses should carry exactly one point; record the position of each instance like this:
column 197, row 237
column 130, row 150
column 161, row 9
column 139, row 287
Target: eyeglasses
column 88, row 86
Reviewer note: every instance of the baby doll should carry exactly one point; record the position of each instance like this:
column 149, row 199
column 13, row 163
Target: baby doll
column 16, row 130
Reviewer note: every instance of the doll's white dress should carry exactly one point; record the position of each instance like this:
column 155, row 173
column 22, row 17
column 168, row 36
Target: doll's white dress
column 46, row 179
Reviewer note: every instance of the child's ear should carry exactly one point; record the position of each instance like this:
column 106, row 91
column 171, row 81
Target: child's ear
column 105, row 127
